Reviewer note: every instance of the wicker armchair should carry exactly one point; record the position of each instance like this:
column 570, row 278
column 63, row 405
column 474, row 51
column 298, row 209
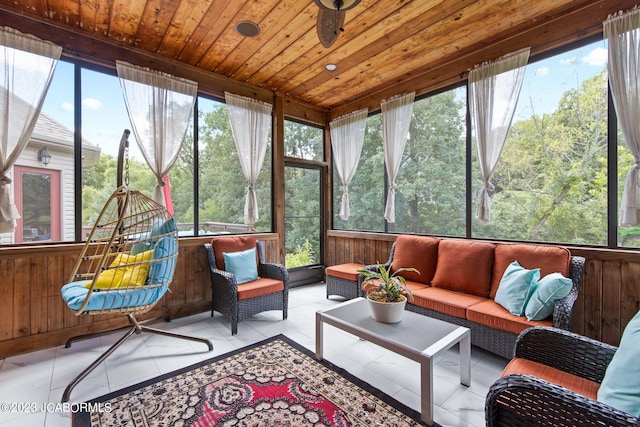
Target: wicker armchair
column 239, row 301
column 526, row 400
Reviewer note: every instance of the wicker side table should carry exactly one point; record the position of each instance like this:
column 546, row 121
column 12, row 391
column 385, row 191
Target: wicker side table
column 343, row 280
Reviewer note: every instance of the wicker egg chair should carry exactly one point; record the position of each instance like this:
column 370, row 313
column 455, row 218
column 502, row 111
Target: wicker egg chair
column 126, row 265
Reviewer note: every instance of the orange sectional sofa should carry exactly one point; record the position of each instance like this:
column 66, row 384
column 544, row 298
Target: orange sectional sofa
column 458, row 280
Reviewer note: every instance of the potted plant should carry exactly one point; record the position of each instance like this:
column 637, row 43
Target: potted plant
column 386, row 291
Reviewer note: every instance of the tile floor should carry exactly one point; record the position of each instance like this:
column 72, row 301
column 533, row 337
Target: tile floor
column 40, row 377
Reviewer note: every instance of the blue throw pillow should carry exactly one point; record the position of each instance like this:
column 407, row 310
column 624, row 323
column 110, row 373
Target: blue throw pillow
column 242, row 265
column 147, row 240
column 620, row 386
column 550, row 289
column 162, row 271
column 516, row 286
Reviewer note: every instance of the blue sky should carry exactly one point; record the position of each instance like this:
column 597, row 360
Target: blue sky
column 546, row 80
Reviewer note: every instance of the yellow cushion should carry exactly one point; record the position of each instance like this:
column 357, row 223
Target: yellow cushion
column 127, row 275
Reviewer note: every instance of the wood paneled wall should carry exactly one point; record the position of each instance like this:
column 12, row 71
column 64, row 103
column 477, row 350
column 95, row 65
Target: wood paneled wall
column 608, row 299
column 33, row 315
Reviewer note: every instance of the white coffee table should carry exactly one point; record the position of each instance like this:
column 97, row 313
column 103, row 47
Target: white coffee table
column 417, row 337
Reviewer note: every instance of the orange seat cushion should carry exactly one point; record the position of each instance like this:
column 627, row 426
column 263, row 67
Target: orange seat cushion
column 464, row 266
column 347, row 271
column 549, row 259
column 231, row 244
column 445, row 301
column 493, row 315
column 419, row 252
column 258, row 288
column 572, row 382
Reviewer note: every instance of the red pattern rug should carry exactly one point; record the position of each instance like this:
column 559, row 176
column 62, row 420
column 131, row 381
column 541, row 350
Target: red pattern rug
column 275, row 382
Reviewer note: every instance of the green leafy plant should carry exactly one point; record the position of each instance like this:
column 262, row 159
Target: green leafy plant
column 383, row 285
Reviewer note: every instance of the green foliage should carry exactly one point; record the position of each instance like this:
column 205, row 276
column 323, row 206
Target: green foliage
column 551, row 178
column 300, row 257
column 384, row 285
column 302, row 194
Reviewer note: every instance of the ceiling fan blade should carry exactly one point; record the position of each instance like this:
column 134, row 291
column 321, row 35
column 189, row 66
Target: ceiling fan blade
column 329, row 25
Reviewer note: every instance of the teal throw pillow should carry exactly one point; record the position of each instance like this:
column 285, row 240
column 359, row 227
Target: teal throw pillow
column 620, row 386
column 550, row 288
column 162, row 271
column 242, row 265
column 516, row 286
column 146, row 241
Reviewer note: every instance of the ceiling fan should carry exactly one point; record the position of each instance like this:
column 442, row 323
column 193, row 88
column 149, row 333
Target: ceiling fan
column 331, row 15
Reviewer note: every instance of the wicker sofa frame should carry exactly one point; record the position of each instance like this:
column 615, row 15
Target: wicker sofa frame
column 497, row 341
column 527, row 401
column 225, row 291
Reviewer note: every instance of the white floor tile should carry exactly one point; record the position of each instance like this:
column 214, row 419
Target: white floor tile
column 42, row 376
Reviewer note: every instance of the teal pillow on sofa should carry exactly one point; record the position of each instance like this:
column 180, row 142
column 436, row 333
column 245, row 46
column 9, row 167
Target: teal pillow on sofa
column 620, row 386
column 516, row 286
column 242, row 265
column 550, row 289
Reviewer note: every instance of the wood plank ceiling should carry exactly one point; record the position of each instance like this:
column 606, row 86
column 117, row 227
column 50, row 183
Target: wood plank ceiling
column 387, row 47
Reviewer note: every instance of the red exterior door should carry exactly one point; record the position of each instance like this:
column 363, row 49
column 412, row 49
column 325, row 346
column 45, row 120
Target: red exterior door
column 37, row 197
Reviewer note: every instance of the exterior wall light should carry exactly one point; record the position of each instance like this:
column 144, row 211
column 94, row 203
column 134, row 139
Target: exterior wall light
column 43, row 156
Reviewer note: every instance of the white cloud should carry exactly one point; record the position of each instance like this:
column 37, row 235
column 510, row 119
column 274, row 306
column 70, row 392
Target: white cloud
column 91, row 103
column 541, row 71
column 597, row 57
column 67, row 106
column 568, row 61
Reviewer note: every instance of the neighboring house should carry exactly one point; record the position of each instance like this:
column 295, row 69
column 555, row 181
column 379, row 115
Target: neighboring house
column 44, row 194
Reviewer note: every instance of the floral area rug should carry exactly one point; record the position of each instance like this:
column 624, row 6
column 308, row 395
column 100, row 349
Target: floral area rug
column 276, row 382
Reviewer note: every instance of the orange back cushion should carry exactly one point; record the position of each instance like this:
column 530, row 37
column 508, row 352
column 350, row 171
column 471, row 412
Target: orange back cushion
column 464, row 266
column 231, row 244
column 419, row 252
column 549, row 259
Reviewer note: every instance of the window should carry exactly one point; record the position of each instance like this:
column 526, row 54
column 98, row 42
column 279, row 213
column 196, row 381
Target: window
column 431, row 182
column 223, row 187
column 303, row 194
column 550, row 181
column 550, row 184
column 302, row 141
column 367, row 189
column 430, row 197
column 104, row 119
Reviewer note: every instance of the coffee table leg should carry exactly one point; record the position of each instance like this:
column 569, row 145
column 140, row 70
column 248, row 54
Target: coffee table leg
column 465, row 360
column 426, row 390
column 319, row 330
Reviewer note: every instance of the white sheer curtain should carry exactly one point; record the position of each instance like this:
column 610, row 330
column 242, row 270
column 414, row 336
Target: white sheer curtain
column 494, row 88
column 27, row 66
column 396, row 118
column 347, row 138
column 160, row 107
column 250, row 123
column 623, row 34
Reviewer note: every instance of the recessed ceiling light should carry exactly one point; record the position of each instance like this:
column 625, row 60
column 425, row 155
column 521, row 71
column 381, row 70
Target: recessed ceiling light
column 331, row 67
column 247, row 28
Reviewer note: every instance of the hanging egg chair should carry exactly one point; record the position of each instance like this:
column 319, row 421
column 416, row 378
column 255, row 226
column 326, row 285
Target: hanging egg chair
column 126, row 264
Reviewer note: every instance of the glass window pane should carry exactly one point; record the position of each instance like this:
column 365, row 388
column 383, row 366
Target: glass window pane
column 223, row 187
column 303, row 141
column 302, row 216
column 104, row 119
column 550, row 182
column 430, row 194
column 366, row 191
column 53, row 136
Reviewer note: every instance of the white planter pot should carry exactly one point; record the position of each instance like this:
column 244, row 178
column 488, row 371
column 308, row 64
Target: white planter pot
column 387, row 312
